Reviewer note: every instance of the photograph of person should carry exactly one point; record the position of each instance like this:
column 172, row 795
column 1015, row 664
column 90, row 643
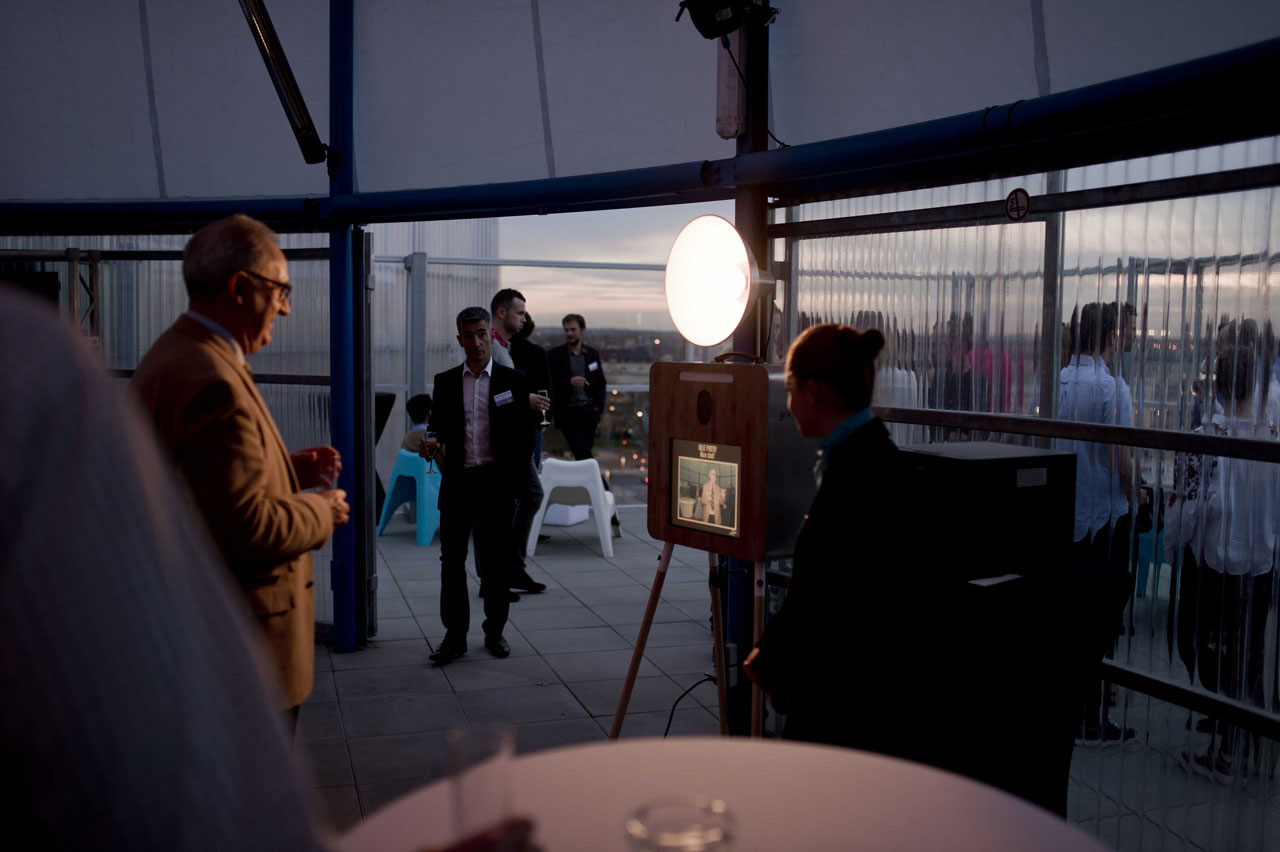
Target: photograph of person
column 706, row 493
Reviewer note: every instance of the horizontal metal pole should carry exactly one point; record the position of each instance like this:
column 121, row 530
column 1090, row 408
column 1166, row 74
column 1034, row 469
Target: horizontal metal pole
column 258, row 378
column 1254, row 719
column 1042, row 206
column 549, row 264
column 1071, row 430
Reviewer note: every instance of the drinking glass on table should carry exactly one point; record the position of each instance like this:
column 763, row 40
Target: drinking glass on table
column 687, row 824
column 545, row 421
column 480, row 776
column 432, row 439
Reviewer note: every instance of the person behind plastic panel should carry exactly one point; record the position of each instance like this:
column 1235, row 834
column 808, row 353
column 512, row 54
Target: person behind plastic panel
column 196, row 388
column 1223, row 510
column 531, row 359
column 837, row 658
column 481, row 420
column 418, row 407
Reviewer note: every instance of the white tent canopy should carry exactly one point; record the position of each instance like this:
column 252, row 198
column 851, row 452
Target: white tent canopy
column 141, row 99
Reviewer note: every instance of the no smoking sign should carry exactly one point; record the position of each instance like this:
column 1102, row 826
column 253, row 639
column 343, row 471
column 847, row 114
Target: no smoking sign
column 1017, row 205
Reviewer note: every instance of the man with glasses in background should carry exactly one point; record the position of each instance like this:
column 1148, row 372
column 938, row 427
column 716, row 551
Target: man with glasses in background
column 196, row 387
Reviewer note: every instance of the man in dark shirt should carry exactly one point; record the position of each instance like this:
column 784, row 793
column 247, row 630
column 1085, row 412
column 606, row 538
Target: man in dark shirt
column 577, row 387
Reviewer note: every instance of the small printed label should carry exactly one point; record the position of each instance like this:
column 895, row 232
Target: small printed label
column 502, row 398
column 593, row 366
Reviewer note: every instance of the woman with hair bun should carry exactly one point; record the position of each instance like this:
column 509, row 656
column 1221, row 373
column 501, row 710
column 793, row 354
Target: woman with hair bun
column 832, row 658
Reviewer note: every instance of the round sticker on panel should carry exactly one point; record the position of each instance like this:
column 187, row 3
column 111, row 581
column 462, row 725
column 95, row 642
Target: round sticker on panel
column 1017, row 205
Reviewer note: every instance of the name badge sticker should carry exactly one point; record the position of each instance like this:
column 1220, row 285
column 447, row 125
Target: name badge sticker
column 593, row 366
column 502, row 398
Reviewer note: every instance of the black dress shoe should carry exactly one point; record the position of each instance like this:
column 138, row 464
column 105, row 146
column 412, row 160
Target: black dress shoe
column 543, row 537
column 525, row 583
column 497, row 646
column 512, row 597
column 448, row 650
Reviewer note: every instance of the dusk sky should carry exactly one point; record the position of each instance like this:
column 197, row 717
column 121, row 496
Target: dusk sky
column 606, row 298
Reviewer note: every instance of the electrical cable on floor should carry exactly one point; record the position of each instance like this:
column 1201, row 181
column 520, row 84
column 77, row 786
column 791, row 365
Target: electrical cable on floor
column 672, row 715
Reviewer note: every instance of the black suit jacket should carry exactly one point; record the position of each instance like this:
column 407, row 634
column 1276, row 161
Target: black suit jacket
column 531, row 359
column 562, row 390
column 511, row 441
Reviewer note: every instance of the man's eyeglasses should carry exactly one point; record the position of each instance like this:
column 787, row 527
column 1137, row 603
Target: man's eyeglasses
column 282, row 290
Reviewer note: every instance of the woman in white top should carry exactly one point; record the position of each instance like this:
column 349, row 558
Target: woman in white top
column 1222, row 516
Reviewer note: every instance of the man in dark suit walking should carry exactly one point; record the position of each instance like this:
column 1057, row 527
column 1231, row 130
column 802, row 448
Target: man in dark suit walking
column 481, row 420
column 577, row 387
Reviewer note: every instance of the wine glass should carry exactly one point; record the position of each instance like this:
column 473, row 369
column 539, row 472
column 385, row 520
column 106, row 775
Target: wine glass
column 434, row 439
column 545, row 421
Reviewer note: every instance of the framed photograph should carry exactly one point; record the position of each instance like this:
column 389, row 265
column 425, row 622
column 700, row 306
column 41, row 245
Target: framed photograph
column 705, row 487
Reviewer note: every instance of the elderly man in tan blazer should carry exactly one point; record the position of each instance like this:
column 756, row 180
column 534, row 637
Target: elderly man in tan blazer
column 196, row 387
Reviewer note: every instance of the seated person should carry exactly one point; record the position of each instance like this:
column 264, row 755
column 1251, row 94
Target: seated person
column 418, row 407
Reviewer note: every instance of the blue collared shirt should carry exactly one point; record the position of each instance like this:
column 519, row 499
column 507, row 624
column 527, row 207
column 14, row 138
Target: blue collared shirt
column 220, row 330
column 838, row 437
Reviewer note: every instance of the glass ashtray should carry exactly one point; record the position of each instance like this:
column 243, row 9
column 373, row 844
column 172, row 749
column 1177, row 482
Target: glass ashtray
column 688, row 824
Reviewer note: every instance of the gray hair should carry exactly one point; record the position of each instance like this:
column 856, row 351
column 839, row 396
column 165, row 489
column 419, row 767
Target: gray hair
column 220, row 250
column 471, row 315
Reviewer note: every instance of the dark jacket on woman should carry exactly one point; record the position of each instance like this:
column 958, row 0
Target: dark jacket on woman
column 843, row 657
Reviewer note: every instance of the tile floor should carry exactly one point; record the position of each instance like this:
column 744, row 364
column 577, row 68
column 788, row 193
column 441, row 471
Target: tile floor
column 374, row 725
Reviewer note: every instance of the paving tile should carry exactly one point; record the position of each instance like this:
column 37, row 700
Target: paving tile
column 575, row 639
column 536, row 736
column 377, row 759
column 387, row 715
column 666, row 634
column 558, row 566
column 425, row 570
column 379, row 793
column 341, row 805
column 322, row 689
column 420, row 605
column 326, row 760
column 555, row 618
column 632, row 594
column 430, row 625
column 681, row 659
column 600, row 697
column 698, row 610
column 520, row 646
column 693, row 591
column 388, row 589
column 633, row 613
column 519, row 704
column 419, row 588
column 469, row 674
column 397, row 628
column 381, row 654
column 322, row 663
column 393, row 608
column 396, row 680
column 704, row 693
column 694, row 721
column 319, row 722
column 595, row 579
column 596, row 665
column 550, row 599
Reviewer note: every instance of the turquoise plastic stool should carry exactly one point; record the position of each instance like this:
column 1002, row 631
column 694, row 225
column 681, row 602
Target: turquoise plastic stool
column 1150, row 554
column 410, row 480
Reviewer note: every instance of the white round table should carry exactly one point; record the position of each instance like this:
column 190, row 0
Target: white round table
column 786, row 796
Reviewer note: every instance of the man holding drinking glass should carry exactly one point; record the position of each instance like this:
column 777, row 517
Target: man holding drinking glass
column 482, row 437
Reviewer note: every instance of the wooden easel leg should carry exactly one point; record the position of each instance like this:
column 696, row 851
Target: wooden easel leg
column 717, row 630
column 638, row 654
column 757, row 694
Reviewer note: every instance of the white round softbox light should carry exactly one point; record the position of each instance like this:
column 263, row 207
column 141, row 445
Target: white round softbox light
column 709, row 273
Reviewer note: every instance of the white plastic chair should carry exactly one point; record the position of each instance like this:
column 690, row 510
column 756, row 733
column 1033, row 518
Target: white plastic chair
column 575, row 474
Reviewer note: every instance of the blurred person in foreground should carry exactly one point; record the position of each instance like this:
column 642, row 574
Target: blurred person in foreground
column 197, row 389
column 166, row 737
column 822, row 658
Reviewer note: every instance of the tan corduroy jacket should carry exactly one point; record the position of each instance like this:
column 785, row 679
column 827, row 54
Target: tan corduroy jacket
column 210, row 418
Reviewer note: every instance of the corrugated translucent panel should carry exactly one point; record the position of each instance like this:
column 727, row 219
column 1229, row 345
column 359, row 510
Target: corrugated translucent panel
column 960, row 310
column 450, row 288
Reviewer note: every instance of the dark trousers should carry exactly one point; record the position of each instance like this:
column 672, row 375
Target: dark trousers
column 578, row 425
column 480, row 500
column 527, row 503
column 1112, row 544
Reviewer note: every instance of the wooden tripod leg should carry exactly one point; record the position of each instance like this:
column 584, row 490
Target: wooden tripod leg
column 717, row 632
column 757, row 694
column 638, row 654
